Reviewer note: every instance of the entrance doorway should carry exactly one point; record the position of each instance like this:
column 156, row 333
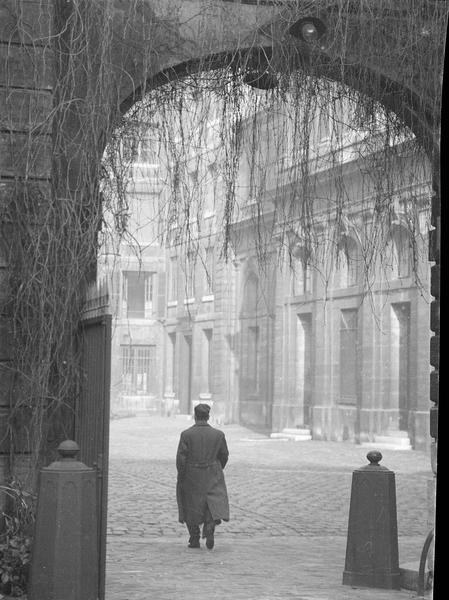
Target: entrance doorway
column 251, row 311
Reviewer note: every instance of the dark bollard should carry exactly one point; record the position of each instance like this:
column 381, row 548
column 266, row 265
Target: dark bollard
column 64, row 563
column 372, row 557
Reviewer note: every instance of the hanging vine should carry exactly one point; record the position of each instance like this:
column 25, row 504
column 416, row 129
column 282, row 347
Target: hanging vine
column 117, row 69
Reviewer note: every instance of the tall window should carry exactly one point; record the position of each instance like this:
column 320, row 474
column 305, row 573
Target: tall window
column 173, row 279
column 211, row 190
column 253, row 359
column 138, row 294
column 171, row 370
column 323, row 126
column 145, row 151
column 301, row 276
column 251, row 293
column 190, row 275
column 348, row 356
column 347, row 267
column 139, row 369
column 207, row 359
column 209, row 272
column 398, row 253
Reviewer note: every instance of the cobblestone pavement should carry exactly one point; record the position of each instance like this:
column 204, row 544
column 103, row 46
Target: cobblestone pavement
column 289, row 513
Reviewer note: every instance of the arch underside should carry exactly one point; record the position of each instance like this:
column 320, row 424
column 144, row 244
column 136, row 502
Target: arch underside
column 393, row 95
column 233, row 34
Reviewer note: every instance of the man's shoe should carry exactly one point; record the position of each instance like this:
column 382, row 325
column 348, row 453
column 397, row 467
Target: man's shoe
column 194, row 542
column 210, row 541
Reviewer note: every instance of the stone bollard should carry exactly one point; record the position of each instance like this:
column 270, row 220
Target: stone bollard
column 372, row 557
column 64, row 562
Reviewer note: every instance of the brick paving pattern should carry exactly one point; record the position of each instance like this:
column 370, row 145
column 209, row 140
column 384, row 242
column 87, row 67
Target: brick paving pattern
column 289, row 513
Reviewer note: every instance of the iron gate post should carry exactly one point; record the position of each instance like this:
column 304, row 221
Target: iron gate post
column 372, row 556
column 64, row 562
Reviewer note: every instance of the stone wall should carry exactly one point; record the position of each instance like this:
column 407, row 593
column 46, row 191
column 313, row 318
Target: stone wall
column 26, row 96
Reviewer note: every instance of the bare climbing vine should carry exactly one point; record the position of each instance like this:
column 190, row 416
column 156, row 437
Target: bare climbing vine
column 260, row 100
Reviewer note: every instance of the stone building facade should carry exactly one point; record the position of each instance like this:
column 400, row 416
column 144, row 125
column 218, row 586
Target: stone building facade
column 134, row 268
column 287, row 344
column 284, row 346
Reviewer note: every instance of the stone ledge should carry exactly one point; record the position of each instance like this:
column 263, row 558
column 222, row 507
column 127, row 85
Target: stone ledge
column 293, row 434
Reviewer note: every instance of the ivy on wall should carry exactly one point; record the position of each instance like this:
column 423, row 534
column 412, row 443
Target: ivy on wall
column 98, row 73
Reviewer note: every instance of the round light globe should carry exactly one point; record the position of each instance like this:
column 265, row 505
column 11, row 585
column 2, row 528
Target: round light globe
column 309, row 32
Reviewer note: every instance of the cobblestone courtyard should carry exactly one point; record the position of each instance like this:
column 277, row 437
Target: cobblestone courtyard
column 289, row 514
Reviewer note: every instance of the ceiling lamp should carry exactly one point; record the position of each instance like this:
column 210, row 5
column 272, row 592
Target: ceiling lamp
column 309, row 30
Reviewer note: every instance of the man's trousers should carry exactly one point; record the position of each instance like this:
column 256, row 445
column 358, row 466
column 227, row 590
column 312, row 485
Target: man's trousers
column 208, row 527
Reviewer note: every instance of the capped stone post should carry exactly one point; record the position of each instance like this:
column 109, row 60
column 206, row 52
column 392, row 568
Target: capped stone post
column 372, row 557
column 64, row 561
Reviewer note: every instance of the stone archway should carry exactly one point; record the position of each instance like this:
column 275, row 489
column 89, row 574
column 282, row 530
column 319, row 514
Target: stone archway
column 153, row 41
column 271, row 26
column 268, row 25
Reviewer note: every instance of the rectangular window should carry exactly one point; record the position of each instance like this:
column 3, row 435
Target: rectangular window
column 348, row 356
column 301, row 277
column 209, row 272
column 207, row 360
column 211, row 190
column 253, row 358
column 138, row 294
column 190, row 275
column 139, row 369
column 150, row 282
column 323, row 126
column 171, row 375
column 147, row 155
column 173, row 280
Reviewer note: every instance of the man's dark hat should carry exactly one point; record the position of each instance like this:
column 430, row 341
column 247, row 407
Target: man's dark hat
column 202, row 411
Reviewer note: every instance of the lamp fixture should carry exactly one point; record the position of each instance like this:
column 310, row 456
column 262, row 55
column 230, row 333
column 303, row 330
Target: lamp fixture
column 309, row 29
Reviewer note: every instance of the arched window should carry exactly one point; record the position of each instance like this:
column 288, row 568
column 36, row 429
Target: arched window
column 347, row 266
column 398, row 253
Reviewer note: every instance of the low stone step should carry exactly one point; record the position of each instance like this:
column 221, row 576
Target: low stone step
column 305, row 437
column 389, row 439
column 393, row 438
column 397, row 433
column 390, row 445
column 296, row 430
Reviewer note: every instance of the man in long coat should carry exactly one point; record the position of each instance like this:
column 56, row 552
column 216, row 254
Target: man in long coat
column 201, row 490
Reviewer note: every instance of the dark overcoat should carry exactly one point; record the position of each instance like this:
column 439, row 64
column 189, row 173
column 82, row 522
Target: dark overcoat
column 200, row 460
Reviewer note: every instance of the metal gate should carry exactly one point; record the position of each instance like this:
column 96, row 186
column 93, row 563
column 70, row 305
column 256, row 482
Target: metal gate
column 92, row 418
